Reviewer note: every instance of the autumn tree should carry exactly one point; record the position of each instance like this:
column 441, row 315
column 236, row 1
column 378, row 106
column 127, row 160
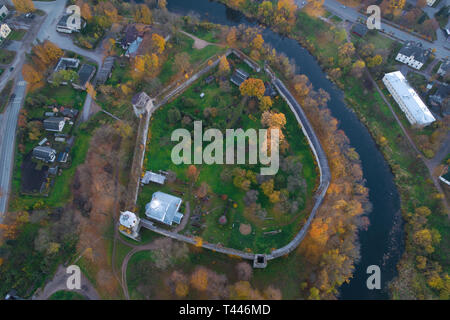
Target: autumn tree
column 265, row 103
column 253, row 88
column 244, row 271
column 358, row 68
column 199, row 279
column 232, row 37
column 273, row 119
column 224, row 66
column 302, row 85
column 143, row 14
column 159, row 42
column 47, row 53
column 86, row 12
column 374, row 61
column 285, row 15
column 24, row 6
column 91, row 90
column 162, row 4
column 31, row 75
column 147, row 64
column 192, row 173
column 257, row 42
column 265, row 12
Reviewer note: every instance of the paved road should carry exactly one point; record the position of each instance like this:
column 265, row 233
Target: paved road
column 8, row 135
column 351, row 14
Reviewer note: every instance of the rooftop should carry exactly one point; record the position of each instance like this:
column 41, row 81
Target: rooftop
column 164, row 208
column 85, row 73
column 105, row 70
column 411, row 99
column 128, row 219
column 153, row 177
column 414, row 49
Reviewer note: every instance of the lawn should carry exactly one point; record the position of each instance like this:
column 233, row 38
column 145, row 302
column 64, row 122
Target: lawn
column 66, row 295
column 231, row 113
column 6, row 56
column 17, row 34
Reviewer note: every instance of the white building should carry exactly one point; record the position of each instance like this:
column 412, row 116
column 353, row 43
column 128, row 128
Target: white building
column 413, row 55
column 164, row 208
column 129, row 224
column 3, row 12
column 430, row 2
column 4, row 31
column 408, row 100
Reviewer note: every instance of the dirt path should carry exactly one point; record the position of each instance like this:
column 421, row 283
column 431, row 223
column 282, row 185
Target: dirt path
column 198, row 43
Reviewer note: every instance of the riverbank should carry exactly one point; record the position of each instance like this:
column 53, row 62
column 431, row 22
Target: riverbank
column 411, row 176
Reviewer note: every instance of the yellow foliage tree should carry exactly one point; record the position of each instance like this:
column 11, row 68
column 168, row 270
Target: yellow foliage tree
column 253, row 88
column 24, row 5
column 159, row 42
column 199, row 279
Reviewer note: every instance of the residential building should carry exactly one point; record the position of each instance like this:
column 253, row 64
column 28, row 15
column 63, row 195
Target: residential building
column 55, row 124
column 359, row 29
column 444, row 68
column 85, row 75
column 133, row 48
column 105, row 71
column 67, row 63
column 441, row 99
column 164, row 208
column 408, row 100
column 68, row 112
column 46, row 154
column 3, row 12
column 132, row 32
column 430, row 2
column 413, row 55
column 5, row 30
column 239, row 76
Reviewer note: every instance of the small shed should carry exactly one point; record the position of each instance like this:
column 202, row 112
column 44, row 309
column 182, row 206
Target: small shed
column 150, row 176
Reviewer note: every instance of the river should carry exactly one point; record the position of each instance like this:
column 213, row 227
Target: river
column 382, row 243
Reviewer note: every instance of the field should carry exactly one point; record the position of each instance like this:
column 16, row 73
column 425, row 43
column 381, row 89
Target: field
column 271, row 230
column 17, row 34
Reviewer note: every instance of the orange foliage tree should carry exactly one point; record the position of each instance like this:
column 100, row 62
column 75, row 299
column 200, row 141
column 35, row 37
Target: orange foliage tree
column 253, row 88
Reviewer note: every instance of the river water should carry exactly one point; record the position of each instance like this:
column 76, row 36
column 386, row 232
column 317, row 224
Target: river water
column 382, row 243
